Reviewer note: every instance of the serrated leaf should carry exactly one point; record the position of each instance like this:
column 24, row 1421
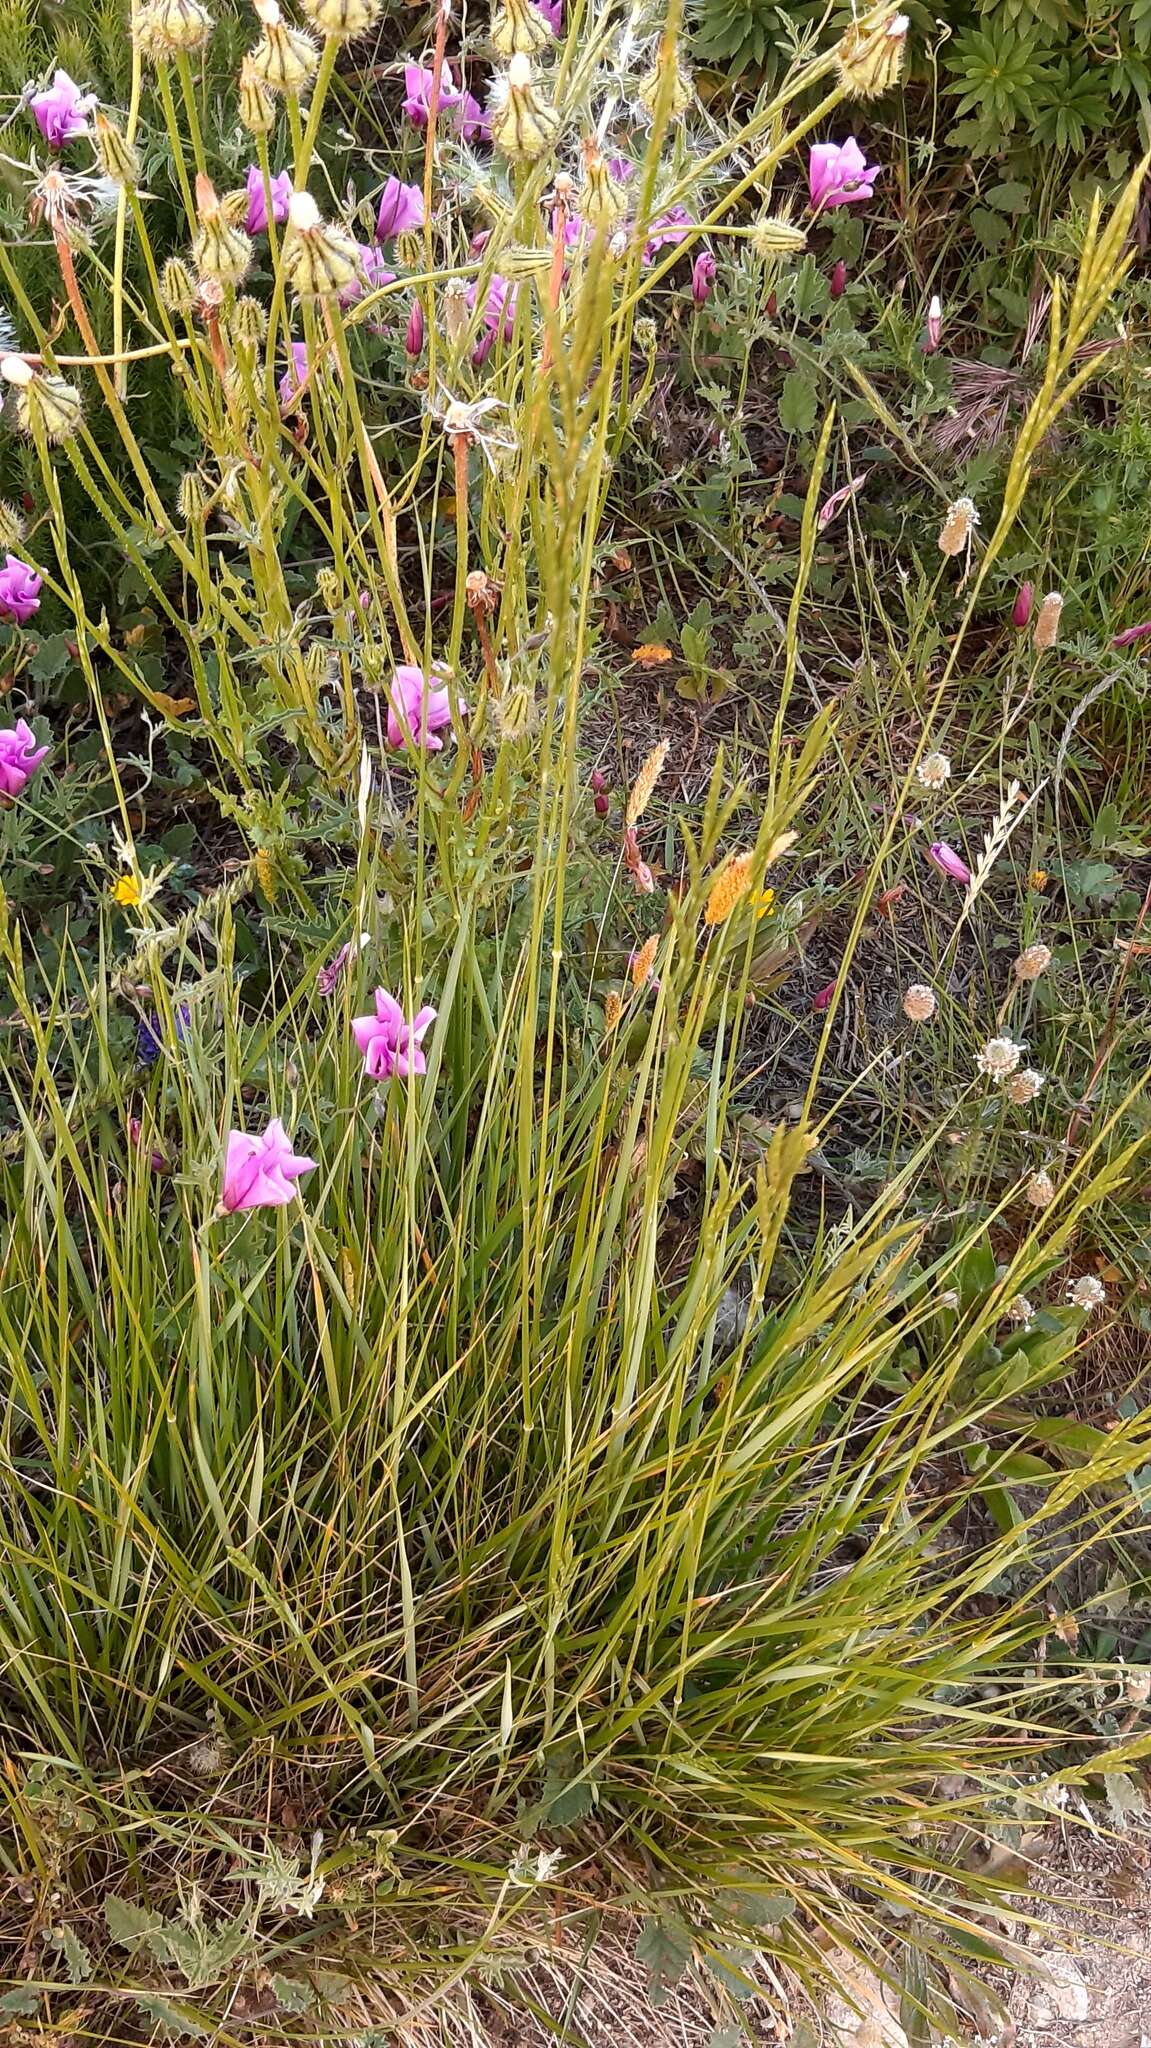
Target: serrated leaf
column 51, row 658
column 1010, row 197
column 797, row 403
column 21, row 2000
column 77, row 1960
column 174, row 2022
column 759, row 1909
column 293, row 1994
column 129, row 1924
column 664, row 1948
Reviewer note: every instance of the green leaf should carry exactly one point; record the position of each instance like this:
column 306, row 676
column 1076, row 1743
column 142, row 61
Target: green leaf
column 1011, row 197
column 293, row 1994
column 77, row 1960
column 726, row 2037
column 172, row 2019
column 129, row 1924
column 21, row 2000
column 756, row 1908
column 664, row 1948
column 797, row 403
column 51, row 658
column 988, row 228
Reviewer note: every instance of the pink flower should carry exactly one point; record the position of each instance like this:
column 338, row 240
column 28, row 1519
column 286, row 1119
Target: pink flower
column 1132, row 633
column 19, row 590
column 467, row 114
column 934, row 330
column 294, row 375
column 948, row 862
column 553, row 14
column 418, row 709
column 19, row 757
column 1021, row 609
column 259, row 1173
column 390, row 1044
column 281, row 189
column 157, row 1160
column 401, row 209
column 838, row 174
column 328, row 978
column 839, row 499
column 667, row 231
column 375, row 274
column 703, row 277
column 821, row 1000
column 62, row 111
column 500, row 306
column 414, row 338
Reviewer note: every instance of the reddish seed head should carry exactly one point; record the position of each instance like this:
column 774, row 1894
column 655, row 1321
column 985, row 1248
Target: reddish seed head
column 772, row 306
column 1021, row 610
column 838, row 280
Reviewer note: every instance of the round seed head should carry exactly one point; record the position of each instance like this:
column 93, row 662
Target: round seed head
column 919, row 1003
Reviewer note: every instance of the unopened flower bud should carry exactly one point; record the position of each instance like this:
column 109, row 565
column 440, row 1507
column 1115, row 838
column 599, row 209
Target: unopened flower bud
column 1047, row 624
column 177, row 286
column 601, row 201
column 219, row 250
column 45, row 403
column 870, row 56
column 598, row 780
column 454, row 309
column 703, row 277
column 342, row 18
column 409, row 249
column 646, row 334
column 114, row 153
column 165, row 29
column 414, row 338
column 602, row 806
column 249, row 322
column 319, row 260
column 524, row 126
column 838, row 282
column 775, row 237
column 257, row 107
column 285, row 58
column 190, row 501
column 934, row 331
column 682, row 90
column 1021, row 609
column 520, row 29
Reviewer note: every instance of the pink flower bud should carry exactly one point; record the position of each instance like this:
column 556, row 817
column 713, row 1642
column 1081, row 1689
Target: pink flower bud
column 948, row 862
column 934, row 327
column 1132, row 633
column 1021, row 610
column 838, row 280
column 598, row 780
column 414, row 338
column 822, row 999
column 703, row 277
column 602, row 806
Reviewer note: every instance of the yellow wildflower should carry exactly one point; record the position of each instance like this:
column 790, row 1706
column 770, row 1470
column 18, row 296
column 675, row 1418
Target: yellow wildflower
column 127, row 890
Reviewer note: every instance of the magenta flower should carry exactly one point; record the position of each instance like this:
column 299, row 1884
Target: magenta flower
column 19, row 757
column 821, row 1000
column 414, row 338
column 948, row 862
column 838, row 499
column 553, row 14
column 260, row 1173
column 1021, row 609
column 157, row 1160
column 418, row 709
column 19, row 591
column 837, row 284
column 401, row 209
column 838, row 174
column 375, row 274
column 933, row 332
column 703, row 277
column 281, row 189
column 62, row 111
column 667, row 232
column 390, row 1044
column 500, row 306
column 1130, row 634
column 294, row 375
column 467, row 114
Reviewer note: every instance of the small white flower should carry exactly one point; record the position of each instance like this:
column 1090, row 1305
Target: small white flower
column 1023, row 1088
column 1040, row 1189
column 1087, row 1292
column 999, row 1058
column 919, row 1003
column 1020, row 1310
column 933, row 771
column 949, row 1298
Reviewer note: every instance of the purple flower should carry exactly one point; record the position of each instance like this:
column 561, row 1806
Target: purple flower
column 414, row 338
column 157, row 1160
column 499, row 307
column 468, row 116
column 328, row 978
column 667, row 231
column 375, row 274
column 839, row 499
column 553, row 14
column 948, row 862
column 260, row 1173
column 149, row 1039
column 62, row 111
column 281, row 188
column 401, row 209
column 1132, row 633
column 838, row 174
column 294, row 375
column 418, row 710
column 390, row 1044
column 19, row 591
column 19, row 757
column 703, row 277
column 1021, row 609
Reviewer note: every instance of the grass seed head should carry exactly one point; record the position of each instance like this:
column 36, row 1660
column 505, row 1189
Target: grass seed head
column 1047, row 624
column 1032, row 962
column 958, row 527
column 728, row 889
column 645, row 782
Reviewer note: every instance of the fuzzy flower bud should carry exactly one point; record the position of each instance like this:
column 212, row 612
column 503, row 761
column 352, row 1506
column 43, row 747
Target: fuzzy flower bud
column 772, row 236
column 44, row 403
column 190, row 501
column 285, row 58
column 114, row 153
column 523, row 126
column 342, row 18
column 958, row 527
column 257, row 107
column 319, row 260
column 682, row 90
column 219, row 250
column 519, row 29
column 1033, row 961
column 177, row 286
column 165, row 29
column 601, row 200
column 919, row 1003
column 12, row 526
column 1047, row 624
column 837, row 283
column 870, row 57
column 249, row 322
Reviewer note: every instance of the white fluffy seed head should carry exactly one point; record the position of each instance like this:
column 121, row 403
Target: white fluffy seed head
column 1032, row 962
column 1087, row 1292
column 303, row 213
column 519, row 71
column 919, row 1003
column 1040, row 1189
column 934, row 770
column 1022, row 1088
